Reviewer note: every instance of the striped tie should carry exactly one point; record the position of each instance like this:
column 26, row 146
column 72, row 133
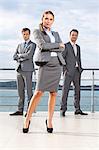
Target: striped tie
column 25, row 44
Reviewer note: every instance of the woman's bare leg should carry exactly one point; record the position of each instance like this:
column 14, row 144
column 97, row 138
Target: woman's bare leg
column 33, row 103
column 51, row 105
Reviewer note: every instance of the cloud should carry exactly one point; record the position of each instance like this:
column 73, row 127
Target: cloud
column 69, row 14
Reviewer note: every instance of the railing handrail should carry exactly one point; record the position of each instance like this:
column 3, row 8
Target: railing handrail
column 85, row 69
column 91, row 69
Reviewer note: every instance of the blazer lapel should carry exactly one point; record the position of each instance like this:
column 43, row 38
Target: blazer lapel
column 28, row 44
column 77, row 50
column 22, row 49
column 53, row 33
column 46, row 36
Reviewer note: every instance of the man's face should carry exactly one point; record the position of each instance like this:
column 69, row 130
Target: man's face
column 26, row 35
column 73, row 36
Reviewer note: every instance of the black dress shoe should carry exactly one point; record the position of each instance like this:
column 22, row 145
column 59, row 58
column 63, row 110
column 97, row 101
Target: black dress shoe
column 62, row 113
column 49, row 130
column 26, row 130
column 79, row 112
column 17, row 113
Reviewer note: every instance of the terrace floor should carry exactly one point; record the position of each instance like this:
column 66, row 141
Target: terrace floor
column 70, row 133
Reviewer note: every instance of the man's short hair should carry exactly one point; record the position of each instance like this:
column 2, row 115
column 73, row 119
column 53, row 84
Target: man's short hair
column 26, row 29
column 74, row 30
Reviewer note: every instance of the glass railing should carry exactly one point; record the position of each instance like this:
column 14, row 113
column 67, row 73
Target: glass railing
column 89, row 91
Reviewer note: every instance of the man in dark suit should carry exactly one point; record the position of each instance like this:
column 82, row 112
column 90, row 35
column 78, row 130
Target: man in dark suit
column 25, row 67
column 72, row 73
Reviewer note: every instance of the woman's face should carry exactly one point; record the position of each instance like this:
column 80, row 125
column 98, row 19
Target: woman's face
column 47, row 21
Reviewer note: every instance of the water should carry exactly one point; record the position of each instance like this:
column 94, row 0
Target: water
column 9, row 100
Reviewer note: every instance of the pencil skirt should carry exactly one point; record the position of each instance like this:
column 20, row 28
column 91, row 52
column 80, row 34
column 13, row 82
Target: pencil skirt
column 49, row 76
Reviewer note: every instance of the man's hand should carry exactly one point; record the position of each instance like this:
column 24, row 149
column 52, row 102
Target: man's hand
column 19, row 55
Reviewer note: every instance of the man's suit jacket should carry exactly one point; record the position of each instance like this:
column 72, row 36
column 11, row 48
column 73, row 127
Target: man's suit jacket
column 70, row 59
column 24, row 56
column 46, row 47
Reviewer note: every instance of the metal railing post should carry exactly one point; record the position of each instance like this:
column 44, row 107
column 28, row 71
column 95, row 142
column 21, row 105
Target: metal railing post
column 92, row 96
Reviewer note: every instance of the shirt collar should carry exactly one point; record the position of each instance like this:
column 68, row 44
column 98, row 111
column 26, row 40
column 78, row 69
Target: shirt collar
column 47, row 30
column 27, row 41
column 72, row 43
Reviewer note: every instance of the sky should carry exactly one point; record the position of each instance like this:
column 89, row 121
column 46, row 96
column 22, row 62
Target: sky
column 69, row 14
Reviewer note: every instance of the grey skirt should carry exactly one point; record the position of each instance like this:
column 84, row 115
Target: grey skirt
column 49, row 76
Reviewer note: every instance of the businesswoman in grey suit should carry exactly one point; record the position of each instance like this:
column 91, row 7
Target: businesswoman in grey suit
column 50, row 60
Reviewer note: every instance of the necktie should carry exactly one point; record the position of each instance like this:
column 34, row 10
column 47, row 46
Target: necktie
column 25, row 44
column 75, row 51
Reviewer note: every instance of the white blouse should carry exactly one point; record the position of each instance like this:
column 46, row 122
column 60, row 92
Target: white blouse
column 52, row 38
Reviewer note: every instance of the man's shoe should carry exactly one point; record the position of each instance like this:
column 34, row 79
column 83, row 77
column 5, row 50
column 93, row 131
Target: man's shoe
column 62, row 113
column 17, row 113
column 79, row 112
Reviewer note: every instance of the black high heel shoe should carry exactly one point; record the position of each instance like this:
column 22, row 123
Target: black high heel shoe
column 49, row 130
column 25, row 130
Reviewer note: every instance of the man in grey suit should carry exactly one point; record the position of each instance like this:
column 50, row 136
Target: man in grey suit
column 25, row 67
column 72, row 73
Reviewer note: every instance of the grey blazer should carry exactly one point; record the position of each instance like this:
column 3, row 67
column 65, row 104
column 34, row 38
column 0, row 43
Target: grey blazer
column 46, row 47
column 24, row 56
column 70, row 59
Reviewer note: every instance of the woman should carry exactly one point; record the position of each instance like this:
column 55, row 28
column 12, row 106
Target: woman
column 50, row 46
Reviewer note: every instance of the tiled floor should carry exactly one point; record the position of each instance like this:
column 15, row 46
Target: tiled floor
column 70, row 133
